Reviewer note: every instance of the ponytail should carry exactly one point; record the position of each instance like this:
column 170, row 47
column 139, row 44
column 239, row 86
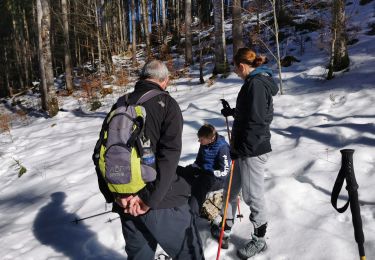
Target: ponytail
column 249, row 57
column 259, row 60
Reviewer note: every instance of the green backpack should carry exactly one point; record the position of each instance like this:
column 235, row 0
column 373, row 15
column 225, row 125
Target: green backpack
column 123, row 155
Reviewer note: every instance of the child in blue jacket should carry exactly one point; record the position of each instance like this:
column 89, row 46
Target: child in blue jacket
column 210, row 169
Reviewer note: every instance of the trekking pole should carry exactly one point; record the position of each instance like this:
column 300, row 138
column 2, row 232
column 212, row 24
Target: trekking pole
column 347, row 173
column 225, row 104
column 93, row 216
column 225, row 211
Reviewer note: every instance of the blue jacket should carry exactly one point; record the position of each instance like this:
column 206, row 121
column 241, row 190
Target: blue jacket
column 214, row 158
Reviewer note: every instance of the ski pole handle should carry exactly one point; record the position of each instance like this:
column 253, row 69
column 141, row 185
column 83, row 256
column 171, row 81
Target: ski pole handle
column 225, row 103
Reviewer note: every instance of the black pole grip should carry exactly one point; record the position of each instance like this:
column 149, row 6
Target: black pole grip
column 225, row 103
column 347, row 173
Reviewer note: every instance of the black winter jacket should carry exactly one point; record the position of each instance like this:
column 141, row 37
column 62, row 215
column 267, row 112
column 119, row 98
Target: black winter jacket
column 254, row 113
column 163, row 126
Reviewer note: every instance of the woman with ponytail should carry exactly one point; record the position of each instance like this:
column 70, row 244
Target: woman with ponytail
column 250, row 147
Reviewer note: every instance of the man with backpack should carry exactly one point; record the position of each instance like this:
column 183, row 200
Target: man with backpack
column 159, row 212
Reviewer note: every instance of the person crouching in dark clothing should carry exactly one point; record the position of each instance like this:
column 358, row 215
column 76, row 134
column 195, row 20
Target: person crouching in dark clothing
column 210, row 169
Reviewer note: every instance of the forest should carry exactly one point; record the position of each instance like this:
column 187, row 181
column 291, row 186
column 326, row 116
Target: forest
column 65, row 63
column 73, row 42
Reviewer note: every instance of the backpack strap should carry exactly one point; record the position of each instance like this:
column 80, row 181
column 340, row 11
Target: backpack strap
column 134, row 139
column 148, row 95
column 144, row 98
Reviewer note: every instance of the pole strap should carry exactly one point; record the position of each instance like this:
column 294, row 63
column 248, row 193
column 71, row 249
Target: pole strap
column 336, row 191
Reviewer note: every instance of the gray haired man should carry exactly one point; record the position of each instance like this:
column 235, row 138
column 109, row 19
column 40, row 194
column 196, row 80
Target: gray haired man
column 159, row 213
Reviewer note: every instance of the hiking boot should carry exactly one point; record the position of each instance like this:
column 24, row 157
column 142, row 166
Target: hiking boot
column 255, row 246
column 215, row 232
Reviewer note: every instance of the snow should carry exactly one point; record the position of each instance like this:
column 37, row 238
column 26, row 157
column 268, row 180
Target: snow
column 313, row 121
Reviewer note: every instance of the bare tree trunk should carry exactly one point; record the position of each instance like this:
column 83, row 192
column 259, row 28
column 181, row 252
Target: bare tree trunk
column 172, row 14
column 90, row 50
column 227, row 8
column 18, row 54
column 52, row 106
column 178, row 20
column 126, row 25
column 108, row 31
column 221, row 64
column 154, row 18
column 134, row 45
column 138, row 25
column 43, row 82
column 164, row 21
column 277, row 46
column 237, row 26
column 27, row 49
column 33, row 43
column 204, row 11
column 77, row 40
column 121, row 24
column 145, row 25
column 258, row 9
column 98, row 37
column 8, row 87
column 108, row 48
column 67, row 57
column 201, row 62
column 188, row 38
column 332, row 58
column 159, row 23
column 340, row 52
column 279, row 6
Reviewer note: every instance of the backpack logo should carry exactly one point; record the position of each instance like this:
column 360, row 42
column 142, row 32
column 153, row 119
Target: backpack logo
column 161, row 103
column 117, row 171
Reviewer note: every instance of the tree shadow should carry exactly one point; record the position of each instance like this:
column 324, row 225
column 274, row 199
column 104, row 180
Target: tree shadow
column 304, row 83
column 307, row 180
column 53, row 227
column 334, row 140
column 80, row 113
column 30, row 111
column 369, row 127
column 329, row 117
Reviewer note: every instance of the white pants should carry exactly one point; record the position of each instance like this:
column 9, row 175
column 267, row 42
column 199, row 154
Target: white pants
column 248, row 175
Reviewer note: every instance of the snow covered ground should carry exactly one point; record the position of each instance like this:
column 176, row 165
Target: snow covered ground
column 313, row 121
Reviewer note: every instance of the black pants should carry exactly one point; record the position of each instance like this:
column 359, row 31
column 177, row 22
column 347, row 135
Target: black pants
column 201, row 183
column 173, row 229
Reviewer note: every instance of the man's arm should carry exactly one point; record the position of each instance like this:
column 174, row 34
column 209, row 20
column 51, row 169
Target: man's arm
column 168, row 153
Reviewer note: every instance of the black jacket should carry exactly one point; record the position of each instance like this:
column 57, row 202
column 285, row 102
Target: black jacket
column 254, row 113
column 164, row 128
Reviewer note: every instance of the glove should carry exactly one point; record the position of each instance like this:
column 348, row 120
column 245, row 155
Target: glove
column 227, row 110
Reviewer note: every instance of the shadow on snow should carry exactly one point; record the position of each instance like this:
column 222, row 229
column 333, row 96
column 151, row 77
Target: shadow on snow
column 53, row 227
